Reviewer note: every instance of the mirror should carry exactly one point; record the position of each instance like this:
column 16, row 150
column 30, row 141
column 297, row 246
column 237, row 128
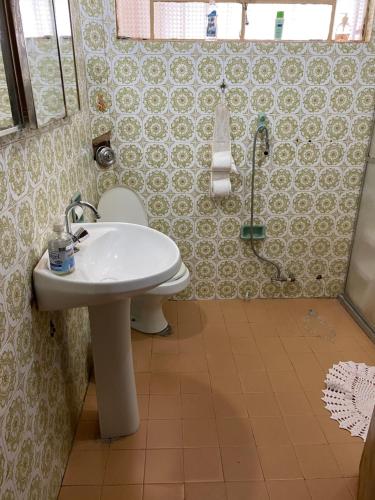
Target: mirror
column 6, row 117
column 10, row 114
column 39, row 31
column 66, row 48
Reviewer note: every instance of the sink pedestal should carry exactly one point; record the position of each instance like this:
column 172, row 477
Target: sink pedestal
column 114, row 373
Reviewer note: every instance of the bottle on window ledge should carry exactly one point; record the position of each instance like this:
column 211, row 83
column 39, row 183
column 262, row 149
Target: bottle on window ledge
column 342, row 32
column 279, row 25
column 212, row 21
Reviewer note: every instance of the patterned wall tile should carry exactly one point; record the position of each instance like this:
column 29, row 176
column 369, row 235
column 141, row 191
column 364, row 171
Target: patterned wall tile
column 159, row 99
column 43, row 379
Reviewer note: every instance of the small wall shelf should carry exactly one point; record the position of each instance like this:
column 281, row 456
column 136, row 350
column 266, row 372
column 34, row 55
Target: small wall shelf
column 259, row 232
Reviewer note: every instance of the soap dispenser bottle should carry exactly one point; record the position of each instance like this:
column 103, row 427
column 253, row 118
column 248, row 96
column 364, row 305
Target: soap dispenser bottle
column 61, row 250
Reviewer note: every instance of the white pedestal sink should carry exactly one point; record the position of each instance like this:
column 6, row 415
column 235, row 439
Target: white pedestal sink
column 116, row 261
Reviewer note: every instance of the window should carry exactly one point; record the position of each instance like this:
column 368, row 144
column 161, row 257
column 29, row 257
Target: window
column 340, row 20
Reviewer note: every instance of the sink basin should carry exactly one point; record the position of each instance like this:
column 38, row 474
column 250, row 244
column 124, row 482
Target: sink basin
column 116, row 262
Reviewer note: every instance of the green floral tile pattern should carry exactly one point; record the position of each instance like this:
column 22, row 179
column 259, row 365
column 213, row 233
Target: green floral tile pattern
column 43, row 378
column 319, row 99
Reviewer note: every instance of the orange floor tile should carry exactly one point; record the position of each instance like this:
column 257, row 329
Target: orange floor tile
column 231, row 409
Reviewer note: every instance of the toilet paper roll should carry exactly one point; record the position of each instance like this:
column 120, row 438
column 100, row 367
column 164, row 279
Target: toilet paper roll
column 221, row 187
column 222, row 161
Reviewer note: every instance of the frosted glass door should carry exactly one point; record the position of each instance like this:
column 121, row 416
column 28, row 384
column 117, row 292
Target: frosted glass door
column 360, row 287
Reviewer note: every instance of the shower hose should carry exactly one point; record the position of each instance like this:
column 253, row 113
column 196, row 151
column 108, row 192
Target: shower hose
column 260, row 129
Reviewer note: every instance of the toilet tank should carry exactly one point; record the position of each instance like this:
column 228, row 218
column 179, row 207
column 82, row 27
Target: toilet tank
column 121, row 204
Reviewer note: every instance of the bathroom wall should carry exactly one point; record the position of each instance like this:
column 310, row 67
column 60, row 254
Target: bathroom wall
column 43, row 365
column 159, row 100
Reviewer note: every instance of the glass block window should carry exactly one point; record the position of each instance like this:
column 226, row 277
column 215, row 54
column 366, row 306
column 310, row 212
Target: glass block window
column 336, row 20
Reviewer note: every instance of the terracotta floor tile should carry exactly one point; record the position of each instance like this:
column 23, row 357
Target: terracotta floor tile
column 164, row 434
column 294, row 403
column 197, row 406
column 270, row 344
column 168, row 406
column 195, row 383
column 239, row 331
column 311, row 380
column 143, row 405
column 164, row 466
column 163, row 492
column 317, row 461
column 165, row 344
column 199, row 433
column 230, row 405
column 164, row 363
column 348, row 456
column 270, row 431
column 134, row 441
column 284, row 381
column 142, row 381
column 333, row 432
column 210, row 311
column 279, row 462
column 255, row 381
column 295, row 344
column 233, row 311
column 85, row 467
column 235, row 432
column 88, row 436
column 243, row 345
column 262, row 405
column 294, row 489
column 219, row 362
column 90, row 408
column 252, row 490
column 276, row 361
column 191, row 344
column 263, row 329
column 304, row 429
column 188, row 311
column 226, row 383
column 125, row 467
column 164, row 383
column 205, row 491
column 192, row 362
column 328, row 489
column 80, row 493
column 243, row 375
column 141, row 360
column 352, row 485
column 241, row 463
column 202, row 465
column 170, row 311
column 246, row 362
column 122, row 492
column 317, row 404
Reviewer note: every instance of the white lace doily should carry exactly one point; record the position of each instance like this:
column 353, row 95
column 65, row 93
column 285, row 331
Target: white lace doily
column 350, row 396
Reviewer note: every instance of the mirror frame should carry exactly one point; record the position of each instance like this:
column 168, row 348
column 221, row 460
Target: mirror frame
column 74, row 58
column 12, row 71
column 25, row 71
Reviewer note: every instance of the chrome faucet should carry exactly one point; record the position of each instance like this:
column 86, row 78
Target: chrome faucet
column 81, row 204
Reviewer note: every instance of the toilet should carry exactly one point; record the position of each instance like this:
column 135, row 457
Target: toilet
column 121, row 204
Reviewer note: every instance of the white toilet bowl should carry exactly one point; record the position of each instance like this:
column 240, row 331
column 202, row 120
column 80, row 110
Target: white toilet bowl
column 121, row 204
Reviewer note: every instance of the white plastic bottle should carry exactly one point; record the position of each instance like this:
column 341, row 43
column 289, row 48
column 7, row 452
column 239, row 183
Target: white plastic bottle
column 61, row 250
column 279, row 25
